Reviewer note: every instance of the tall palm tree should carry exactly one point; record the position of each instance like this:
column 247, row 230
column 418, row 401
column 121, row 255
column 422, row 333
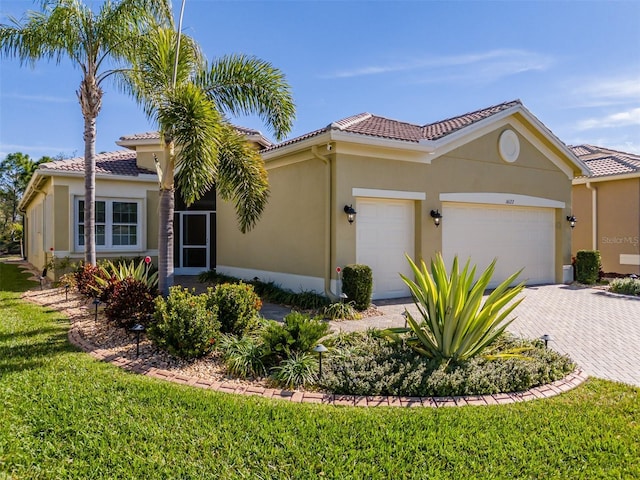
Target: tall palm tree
column 92, row 41
column 188, row 98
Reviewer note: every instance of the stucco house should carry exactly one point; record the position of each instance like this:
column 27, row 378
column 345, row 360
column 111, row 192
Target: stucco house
column 606, row 203
column 366, row 189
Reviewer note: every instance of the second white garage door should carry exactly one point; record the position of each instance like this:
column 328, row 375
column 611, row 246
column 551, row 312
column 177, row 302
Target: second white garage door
column 517, row 236
column 384, row 233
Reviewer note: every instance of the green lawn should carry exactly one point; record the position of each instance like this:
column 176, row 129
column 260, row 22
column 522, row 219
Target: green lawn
column 65, row 415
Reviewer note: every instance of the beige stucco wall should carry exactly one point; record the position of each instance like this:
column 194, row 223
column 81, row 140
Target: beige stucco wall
column 617, row 220
column 290, row 236
column 50, row 217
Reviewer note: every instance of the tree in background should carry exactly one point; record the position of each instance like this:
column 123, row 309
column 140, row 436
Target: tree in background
column 15, row 172
column 94, row 42
column 187, row 98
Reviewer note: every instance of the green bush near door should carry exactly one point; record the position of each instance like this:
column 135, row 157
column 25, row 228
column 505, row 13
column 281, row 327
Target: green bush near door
column 357, row 284
column 587, row 266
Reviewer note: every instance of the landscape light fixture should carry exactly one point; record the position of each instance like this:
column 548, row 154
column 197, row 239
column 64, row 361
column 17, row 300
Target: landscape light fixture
column 572, row 220
column 405, row 314
column 343, row 297
column 66, row 292
column 351, row 213
column 137, row 329
column 437, row 216
column 546, row 338
column 96, row 302
column 320, row 349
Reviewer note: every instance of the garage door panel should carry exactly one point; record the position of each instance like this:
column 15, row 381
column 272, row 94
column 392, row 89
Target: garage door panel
column 385, row 232
column 517, row 236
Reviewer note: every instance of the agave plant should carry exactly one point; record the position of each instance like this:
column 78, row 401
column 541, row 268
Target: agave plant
column 123, row 270
column 456, row 323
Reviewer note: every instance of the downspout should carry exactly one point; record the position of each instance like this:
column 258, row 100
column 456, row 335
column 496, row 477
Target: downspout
column 327, row 225
column 594, row 215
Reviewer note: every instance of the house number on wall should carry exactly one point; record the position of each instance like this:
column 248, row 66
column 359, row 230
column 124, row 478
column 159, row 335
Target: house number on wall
column 510, row 201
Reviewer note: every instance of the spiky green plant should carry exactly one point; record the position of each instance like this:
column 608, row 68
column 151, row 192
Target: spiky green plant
column 296, row 371
column 456, row 323
column 123, row 270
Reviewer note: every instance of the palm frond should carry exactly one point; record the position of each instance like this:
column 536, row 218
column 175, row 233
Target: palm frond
column 242, row 84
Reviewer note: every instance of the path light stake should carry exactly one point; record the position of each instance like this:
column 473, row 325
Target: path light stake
column 138, row 329
column 320, row 348
column 343, row 297
column 96, row 302
column 546, row 338
column 66, row 292
column 405, row 314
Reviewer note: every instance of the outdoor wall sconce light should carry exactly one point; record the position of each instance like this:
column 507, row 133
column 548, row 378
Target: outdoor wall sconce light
column 320, row 349
column 437, row 216
column 96, row 302
column 351, row 213
column 572, row 220
column 137, row 329
column 546, row 338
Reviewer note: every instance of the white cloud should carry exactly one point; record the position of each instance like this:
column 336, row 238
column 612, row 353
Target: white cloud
column 492, row 64
column 614, row 120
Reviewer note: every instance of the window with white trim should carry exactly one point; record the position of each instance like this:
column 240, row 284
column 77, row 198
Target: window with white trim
column 117, row 224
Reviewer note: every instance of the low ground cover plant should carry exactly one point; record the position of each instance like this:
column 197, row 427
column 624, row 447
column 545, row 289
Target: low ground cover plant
column 366, row 363
column 625, row 286
column 341, row 311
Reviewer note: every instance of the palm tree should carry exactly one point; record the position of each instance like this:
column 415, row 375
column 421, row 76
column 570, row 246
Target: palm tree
column 70, row 29
column 188, row 98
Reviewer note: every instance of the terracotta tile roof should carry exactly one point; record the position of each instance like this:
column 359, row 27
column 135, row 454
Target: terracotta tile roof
column 381, row 127
column 156, row 135
column 121, row 162
column 603, row 161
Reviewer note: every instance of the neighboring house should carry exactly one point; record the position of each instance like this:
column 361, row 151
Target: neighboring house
column 606, row 203
column 497, row 177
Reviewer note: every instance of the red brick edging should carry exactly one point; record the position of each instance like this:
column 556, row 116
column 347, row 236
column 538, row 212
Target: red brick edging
column 139, row 366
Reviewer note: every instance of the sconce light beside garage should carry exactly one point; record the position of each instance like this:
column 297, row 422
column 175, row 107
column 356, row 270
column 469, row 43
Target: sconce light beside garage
column 572, row 220
column 351, row 213
column 437, row 216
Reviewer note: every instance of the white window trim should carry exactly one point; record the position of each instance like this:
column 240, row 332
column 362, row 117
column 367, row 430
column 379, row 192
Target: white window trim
column 108, row 247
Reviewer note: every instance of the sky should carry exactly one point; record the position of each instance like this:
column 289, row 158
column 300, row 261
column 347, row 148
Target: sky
column 574, row 64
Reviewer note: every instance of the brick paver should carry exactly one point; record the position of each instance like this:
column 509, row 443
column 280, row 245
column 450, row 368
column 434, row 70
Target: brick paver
column 599, row 330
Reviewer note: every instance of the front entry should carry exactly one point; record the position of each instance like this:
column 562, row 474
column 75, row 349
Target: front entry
column 193, row 242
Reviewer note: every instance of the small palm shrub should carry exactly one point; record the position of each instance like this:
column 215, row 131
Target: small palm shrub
column 299, row 333
column 130, row 302
column 183, row 324
column 456, row 323
column 243, row 356
column 236, row 305
column 298, row 370
column 357, row 284
column 625, row 286
column 341, row 311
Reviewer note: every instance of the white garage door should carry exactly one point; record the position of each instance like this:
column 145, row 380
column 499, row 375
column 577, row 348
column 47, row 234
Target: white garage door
column 384, row 233
column 517, row 236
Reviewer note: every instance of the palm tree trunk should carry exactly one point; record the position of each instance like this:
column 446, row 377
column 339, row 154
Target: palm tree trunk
column 90, row 97
column 165, row 241
column 89, row 190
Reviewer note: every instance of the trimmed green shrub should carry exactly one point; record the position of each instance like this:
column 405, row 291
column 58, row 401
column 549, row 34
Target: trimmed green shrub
column 235, row 305
column 357, row 284
column 130, row 302
column 298, row 333
column 183, row 324
column 587, row 266
column 625, row 286
column 366, row 364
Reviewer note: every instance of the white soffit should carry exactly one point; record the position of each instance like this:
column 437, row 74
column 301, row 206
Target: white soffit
column 395, row 194
column 501, row 199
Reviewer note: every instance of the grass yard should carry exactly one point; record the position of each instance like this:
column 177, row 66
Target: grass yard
column 65, row 415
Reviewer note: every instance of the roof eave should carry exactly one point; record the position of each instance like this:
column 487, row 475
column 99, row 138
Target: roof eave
column 606, row 178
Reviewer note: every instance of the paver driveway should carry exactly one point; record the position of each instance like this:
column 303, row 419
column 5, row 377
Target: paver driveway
column 599, row 330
